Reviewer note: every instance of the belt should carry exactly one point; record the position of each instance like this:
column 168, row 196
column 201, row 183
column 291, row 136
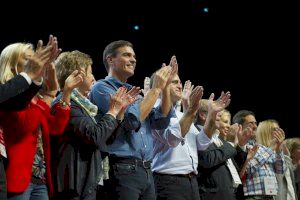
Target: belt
column 37, row 181
column 189, row 175
column 133, row 161
column 266, row 197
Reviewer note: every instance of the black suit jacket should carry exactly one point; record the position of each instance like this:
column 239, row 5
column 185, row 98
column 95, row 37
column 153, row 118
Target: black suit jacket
column 16, row 93
column 215, row 180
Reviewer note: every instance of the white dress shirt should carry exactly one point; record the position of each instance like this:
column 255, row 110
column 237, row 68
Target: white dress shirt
column 174, row 154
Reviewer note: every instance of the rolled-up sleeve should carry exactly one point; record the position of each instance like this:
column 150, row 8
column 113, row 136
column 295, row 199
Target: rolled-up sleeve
column 202, row 140
column 132, row 117
column 170, row 136
column 158, row 120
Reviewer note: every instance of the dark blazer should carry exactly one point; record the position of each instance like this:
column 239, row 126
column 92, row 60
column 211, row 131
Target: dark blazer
column 79, row 157
column 16, row 93
column 214, row 178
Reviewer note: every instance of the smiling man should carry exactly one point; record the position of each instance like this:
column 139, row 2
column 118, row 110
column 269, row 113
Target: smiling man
column 131, row 151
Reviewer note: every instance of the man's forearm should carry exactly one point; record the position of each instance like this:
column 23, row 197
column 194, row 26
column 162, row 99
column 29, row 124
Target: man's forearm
column 148, row 102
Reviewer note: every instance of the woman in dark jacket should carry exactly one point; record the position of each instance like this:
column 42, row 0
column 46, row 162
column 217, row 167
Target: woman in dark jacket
column 79, row 163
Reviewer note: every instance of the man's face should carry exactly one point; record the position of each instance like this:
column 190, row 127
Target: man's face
column 176, row 89
column 123, row 64
column 251, row 122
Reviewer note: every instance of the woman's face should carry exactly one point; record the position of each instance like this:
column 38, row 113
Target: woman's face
column 296, row 156
column 87, row 83
column 22, row 60
column 224, row 124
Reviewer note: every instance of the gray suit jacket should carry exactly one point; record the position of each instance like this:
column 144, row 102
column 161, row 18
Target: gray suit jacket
column 282, row 180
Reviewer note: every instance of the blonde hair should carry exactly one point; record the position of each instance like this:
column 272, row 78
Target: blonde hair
column 264, row 132
column 67, row 62
column 294, row 144
column 225, row 112
column 9, row 59
column 203, row 105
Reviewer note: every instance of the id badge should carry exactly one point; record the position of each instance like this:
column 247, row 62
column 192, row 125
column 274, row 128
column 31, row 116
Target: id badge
column 270, row 185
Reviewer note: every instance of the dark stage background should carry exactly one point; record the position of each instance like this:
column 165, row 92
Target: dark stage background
column 248, row 47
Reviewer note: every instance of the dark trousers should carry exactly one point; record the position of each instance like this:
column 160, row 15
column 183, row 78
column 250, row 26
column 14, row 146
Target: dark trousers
column 130, row 182
column 3, row 191
column 68, row 195
column 172, row 187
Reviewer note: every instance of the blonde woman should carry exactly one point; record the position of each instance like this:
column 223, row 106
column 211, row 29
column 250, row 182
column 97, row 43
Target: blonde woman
column 26, row 131
column 261, row 170
column 16, row 93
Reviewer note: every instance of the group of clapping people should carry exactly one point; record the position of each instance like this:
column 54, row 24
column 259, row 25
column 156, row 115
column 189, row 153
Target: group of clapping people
column 64, row 135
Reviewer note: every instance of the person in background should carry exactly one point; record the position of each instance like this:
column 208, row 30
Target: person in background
column 247, row 119
column 293, row 145
column 286, row 182
column 201, row 114
column 260, row 177
column 218, row 169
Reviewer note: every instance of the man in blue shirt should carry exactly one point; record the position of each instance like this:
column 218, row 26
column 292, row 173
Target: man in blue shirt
column 131, row 149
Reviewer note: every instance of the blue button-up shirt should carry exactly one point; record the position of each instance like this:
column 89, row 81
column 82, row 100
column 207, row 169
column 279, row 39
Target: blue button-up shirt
column 134, row 139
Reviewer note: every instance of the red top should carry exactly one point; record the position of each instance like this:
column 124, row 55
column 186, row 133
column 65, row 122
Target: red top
column 21, row 132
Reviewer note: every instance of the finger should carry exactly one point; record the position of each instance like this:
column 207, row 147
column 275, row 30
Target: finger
column 227, row 96
column 186, row 84
column 50, row 40
column 173, row 61
column 174, row 69
column 74, row 73
column 227, row 103
column 211, row 97
column 134, row 91
column 192, row 87
column 39, row 45
column 82, row 71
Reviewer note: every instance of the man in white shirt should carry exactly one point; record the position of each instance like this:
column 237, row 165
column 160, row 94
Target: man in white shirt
column 175, row 148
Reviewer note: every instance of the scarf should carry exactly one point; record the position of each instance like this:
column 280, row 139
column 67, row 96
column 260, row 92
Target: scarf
column 85, row 103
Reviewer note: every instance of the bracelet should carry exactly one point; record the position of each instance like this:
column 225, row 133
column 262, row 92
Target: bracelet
column 49, row 95
column 63, row 103
column 46, row 94
column 40, row 96
column 114, row 116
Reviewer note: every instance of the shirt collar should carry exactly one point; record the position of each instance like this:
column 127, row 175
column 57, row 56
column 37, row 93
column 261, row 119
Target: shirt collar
column 117, row 83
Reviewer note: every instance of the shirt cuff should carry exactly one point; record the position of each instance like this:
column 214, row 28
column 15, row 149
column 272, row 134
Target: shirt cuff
column 108, row 113
column 39, row 83
column 203, row 141
column 244, row 148
column 27, row 78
